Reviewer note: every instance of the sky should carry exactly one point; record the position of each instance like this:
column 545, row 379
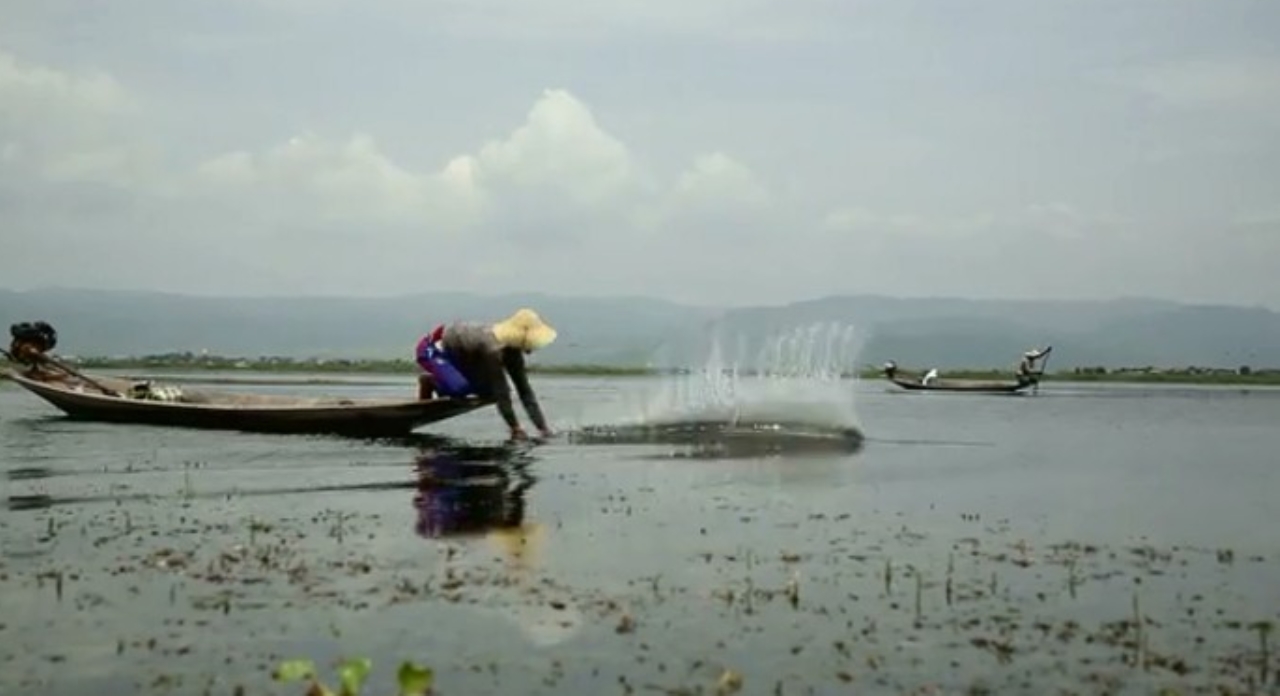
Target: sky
column 707, row 152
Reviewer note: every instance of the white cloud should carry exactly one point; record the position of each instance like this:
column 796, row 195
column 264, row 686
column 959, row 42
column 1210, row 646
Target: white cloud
column 560, row 161
column 31, row 93
column 1048, row 221
column 67, row 126
column 585, row 20
column 349, row 181
column 554, row 173
column 713, row 151
column 716, row 178
column 559, row 182
column 1214, row 82
column 560, row 146
column 556, row 179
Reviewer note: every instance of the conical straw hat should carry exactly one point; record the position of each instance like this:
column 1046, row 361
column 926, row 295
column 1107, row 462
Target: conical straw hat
column 524, row 330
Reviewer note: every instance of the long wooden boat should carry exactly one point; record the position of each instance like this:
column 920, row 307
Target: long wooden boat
column 914, row 382
column 115, row 400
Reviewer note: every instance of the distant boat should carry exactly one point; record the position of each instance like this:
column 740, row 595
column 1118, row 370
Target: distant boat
column 115, row 400
column 913, row 381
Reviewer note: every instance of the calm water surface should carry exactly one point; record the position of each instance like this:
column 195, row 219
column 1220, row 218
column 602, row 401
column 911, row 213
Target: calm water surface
column 1099, row 539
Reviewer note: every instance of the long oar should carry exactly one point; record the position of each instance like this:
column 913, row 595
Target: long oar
column 1044, row 367
column 73, row 372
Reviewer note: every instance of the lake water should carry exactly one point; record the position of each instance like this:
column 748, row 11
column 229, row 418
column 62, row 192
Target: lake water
column 1089, row 539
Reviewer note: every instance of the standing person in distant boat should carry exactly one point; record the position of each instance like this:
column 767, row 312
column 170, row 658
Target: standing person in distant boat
column 472, row 358
column 929, row 377
column 1029, row 359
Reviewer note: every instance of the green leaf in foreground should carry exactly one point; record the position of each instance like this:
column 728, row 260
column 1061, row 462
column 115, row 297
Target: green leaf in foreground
column 295, row 670
column 352, row 674
column 414, row 680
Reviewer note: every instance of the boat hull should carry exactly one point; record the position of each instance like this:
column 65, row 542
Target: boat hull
column 246, row 412
column 962, row 385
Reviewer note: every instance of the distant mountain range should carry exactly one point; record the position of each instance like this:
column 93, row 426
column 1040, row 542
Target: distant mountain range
column 630, row 331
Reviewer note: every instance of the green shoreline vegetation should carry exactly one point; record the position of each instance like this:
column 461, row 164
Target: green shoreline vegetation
column 177, row 362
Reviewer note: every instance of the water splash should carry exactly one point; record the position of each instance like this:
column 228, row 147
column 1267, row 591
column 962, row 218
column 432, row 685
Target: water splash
column 795, row 376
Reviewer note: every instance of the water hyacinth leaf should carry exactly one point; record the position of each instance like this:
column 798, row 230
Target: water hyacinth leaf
column 414, row 680
column 295, row 670
column 353, row 673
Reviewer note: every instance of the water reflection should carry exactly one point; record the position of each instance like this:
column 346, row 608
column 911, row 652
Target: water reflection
column 466, row 491
column 458, row 488
column 32, row 472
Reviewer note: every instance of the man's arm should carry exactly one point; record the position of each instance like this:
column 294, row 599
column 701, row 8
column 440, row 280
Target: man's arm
column 514, row 361
column 500, row 391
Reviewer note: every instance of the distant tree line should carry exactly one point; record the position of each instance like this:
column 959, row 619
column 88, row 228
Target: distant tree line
column 176, row 361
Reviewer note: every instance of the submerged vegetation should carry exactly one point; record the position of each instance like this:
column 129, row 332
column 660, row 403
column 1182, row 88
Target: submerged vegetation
column 1242, row 375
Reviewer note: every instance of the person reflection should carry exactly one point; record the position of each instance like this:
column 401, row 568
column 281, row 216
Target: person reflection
column 470, row 492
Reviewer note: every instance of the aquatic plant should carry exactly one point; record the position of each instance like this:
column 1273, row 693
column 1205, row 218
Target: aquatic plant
column 412, row 679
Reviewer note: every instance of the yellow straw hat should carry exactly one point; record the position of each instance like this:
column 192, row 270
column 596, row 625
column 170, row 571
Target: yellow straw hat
column 524, row 330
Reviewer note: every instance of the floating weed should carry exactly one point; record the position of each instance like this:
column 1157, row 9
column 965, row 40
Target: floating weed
column 655, row 583
column 919, row 594
column 1140, row 635
column 353, row 673
column 730, row 682
column 951, row 569
column 1264, row 629
column 255, row 527
column 412, row 679
column 188, row 491
column 338, row 530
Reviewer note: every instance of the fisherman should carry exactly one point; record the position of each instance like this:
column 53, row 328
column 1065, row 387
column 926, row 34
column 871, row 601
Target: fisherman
column 929, row 377
column 473, row 358
column 1025, row 373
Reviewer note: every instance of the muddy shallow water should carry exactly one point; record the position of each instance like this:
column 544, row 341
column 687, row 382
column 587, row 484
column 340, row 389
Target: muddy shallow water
column 1086, row 540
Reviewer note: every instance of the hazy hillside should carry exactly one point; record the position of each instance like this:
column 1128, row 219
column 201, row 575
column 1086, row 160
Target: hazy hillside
column 118, row 323
column 629, row 331
column 992, row 333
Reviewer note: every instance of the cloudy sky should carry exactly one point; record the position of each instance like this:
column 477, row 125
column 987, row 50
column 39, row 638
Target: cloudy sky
column 707, row 151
